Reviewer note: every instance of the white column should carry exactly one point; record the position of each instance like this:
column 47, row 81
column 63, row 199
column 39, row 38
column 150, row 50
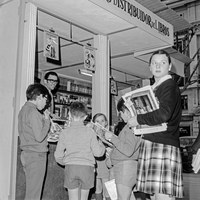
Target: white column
column 28, row 55
column 25, row 75
column 101, row 78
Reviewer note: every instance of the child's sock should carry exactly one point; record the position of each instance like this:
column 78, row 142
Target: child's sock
column 99, row 196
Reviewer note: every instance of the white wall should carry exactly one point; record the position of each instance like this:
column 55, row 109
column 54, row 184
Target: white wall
column 8, row 60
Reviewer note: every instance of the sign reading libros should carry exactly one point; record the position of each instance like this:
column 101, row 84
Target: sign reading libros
column 139, row 14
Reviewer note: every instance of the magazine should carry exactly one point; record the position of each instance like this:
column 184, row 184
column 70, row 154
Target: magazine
column 141, row 101
column 54, row 133
column 100, row 131
column 111, row 188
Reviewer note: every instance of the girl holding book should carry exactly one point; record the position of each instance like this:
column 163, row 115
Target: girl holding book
column 124, row 155
column 102, row 171
column 159, row 161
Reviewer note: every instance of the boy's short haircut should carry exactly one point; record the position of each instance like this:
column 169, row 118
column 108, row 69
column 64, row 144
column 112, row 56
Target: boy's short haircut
column 121, row 106
column 78, row 109
column 35, row 90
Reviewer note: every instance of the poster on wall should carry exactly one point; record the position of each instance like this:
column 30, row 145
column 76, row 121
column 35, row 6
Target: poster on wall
column 89, row 58
column 51, row 45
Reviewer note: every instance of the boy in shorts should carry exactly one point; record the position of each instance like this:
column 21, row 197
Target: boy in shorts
column 76, row 149
column 33, row 126
column 124, row 156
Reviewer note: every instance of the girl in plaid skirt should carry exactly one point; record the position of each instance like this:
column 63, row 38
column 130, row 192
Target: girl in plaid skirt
column 159, row 161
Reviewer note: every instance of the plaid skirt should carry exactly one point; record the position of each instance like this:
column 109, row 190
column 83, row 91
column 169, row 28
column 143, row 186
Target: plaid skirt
column 159, row 169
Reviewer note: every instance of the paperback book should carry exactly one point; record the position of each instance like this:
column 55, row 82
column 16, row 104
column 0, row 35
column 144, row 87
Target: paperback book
column 141, row 101
column 100, row 131
column 54, row 133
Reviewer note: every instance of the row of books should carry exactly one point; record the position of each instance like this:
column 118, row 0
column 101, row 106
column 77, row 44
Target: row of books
column 73, row 87
column 64, row 98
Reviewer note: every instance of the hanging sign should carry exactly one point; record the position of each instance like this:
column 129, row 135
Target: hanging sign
column 89, row 58
column 51, row 45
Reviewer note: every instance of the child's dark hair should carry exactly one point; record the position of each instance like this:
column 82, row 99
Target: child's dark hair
column 78, row 109
column 160, row 52
column 120, row 125
column 121, row 106
column 35, row 90
column 99, row 114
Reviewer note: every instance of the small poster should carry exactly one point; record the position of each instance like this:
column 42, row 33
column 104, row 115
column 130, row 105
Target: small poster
column 51, row 45
column 89, row 58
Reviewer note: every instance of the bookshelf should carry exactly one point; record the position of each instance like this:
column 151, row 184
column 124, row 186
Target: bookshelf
column 70, row 91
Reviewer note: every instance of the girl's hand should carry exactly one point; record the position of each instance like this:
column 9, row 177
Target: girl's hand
column 132, row 122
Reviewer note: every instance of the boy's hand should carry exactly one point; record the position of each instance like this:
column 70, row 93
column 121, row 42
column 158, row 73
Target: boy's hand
column 46, row 114
column 54, row 116
column 132, row 122
column 108, row 135
column 90, row 125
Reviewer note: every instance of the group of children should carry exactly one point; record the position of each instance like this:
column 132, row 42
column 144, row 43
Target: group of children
column 79, row 148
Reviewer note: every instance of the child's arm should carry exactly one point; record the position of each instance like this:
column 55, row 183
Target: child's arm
column 97, row 146
column 40, row 126
column 127, row 143
column 60, row 150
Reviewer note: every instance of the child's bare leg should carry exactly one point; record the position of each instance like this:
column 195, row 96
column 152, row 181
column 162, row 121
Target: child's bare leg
column 123, row 192
column 84, row 194
column 99, row 187
column 73, row 194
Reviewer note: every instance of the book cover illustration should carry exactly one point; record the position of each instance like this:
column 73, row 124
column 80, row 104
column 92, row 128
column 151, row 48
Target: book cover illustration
column 141, row 101
column 100, row 131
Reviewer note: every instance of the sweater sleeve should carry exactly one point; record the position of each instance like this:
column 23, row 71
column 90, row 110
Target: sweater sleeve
column 39, row 126
column 97, row 146
column 167, row 96
column 127, row 143
column 60, row 150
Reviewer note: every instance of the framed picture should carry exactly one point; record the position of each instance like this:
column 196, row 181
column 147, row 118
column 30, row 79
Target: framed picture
column 89, row 58
column 51, row 45
column 141, row 101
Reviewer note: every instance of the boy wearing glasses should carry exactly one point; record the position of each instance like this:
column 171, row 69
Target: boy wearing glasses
column 33, row 127
column 51, row 80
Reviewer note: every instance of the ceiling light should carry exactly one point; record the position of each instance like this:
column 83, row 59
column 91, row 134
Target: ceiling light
column 85, row 72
